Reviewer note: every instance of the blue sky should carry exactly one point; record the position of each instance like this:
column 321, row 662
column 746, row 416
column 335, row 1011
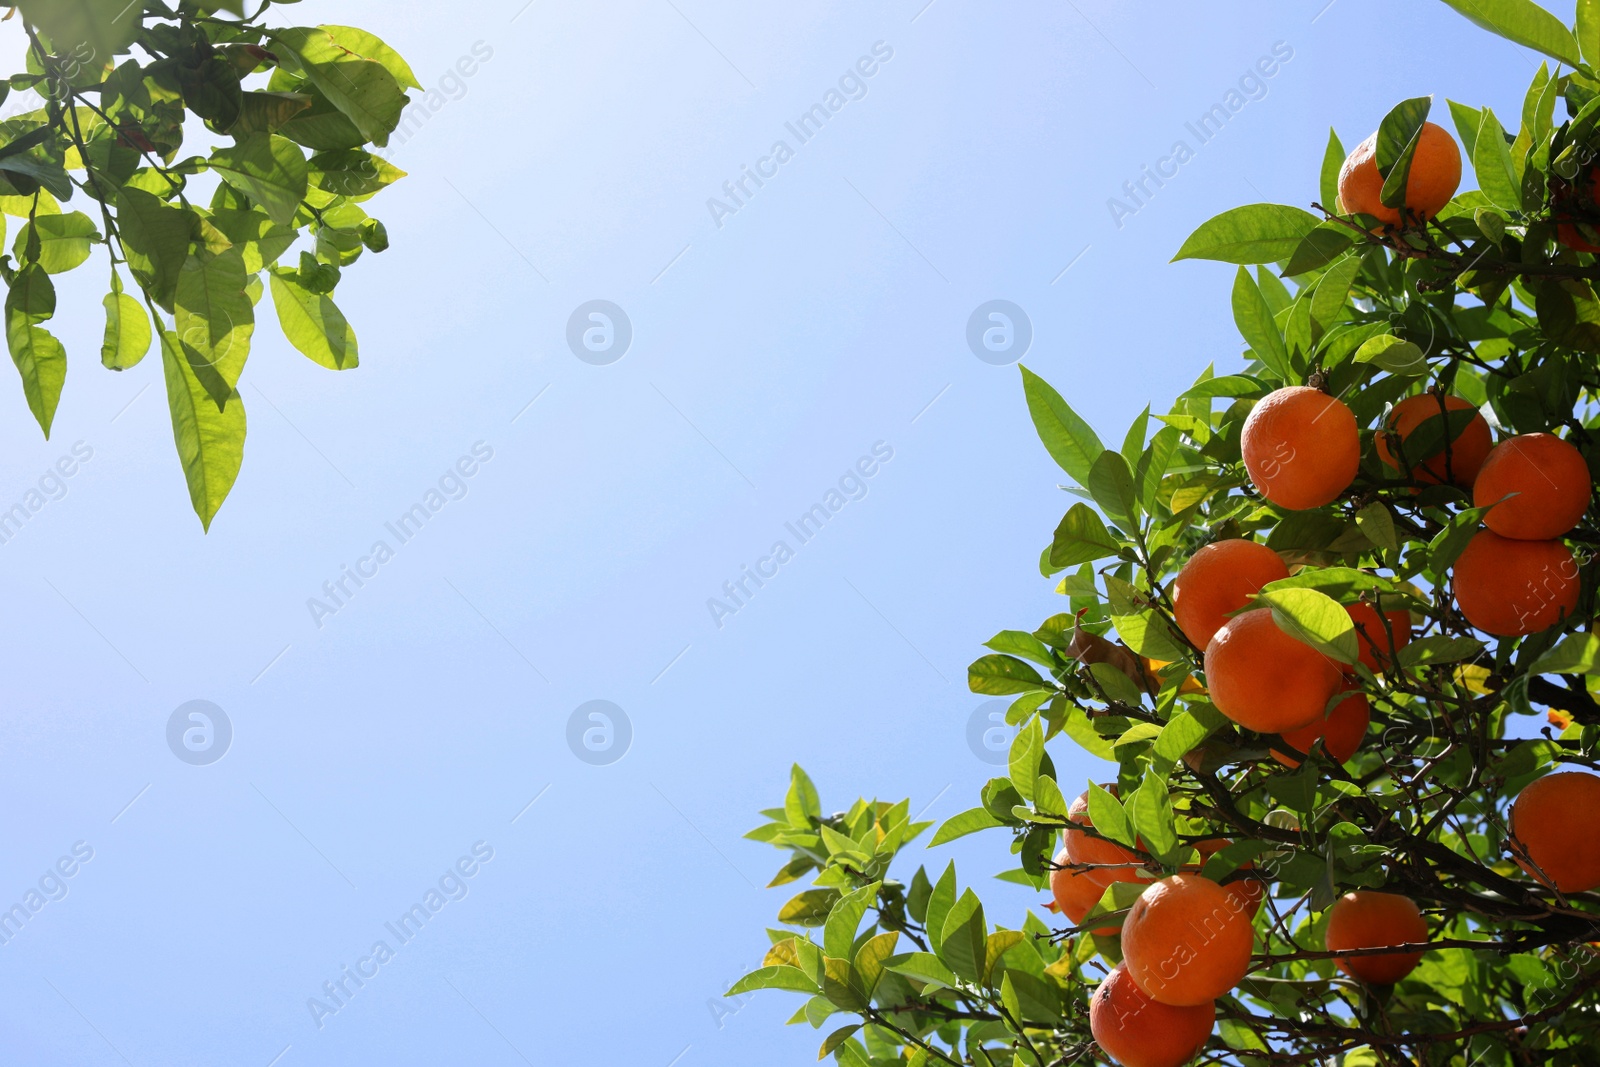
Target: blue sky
column 773, row 349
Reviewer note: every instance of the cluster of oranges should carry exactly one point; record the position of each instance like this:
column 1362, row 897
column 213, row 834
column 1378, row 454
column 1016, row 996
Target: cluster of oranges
column 1302, row 449
column 1188, row 940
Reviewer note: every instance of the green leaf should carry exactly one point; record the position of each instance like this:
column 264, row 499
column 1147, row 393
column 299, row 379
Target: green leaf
column 259, row 240
column 1229, row 386
column 313, row 323
column 1318, row 248
column 810, row 908
column 269, row 169
column 839, row 932
column 1117, row 685
column 128, row 336
column 940, row 901
column 94, row 29
column 1108, row 817
column 64, row 241
column 1002, row 675
column 363, row 90
column 1027, row 754
column 1524, row 22
column 1080, row 729
column 968, row 822
column 868, row 964
column 1187, row 730
column 39, row 357
column 1398, row 135
column 1577, row 654
column 835, row 1039
column 1589, row 30
column 964, row 942
column 1150, row 808
column 1256, row 233
column 1393, row 355
column 1153, row 464
column 1491, row 161
column 802, row 804
column 924, row 967
column 1332, row 161
column 791, row 978
column 353, row 172
column 1047, row 797
column 368, row 46
column 1111, row 485
column 1447, row 546
column 1467, row 120
column 215, row 320
column 1254, row 319
column 209, row 435
column 1081, row 538
column 156, row 238
column 1377, row 523
column 1071, row 442
column 1333, row 291
column 1021, row 643
column 1316, row 619
column 1337, row 582
column 1438, row 648
column 263, row 112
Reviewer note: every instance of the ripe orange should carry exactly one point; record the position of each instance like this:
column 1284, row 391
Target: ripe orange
column 1551, row 481
column 1301, row 447
column 1081, row 848
column 1435, row 173
column 1220, row 579
column 1514, row 588
column 1186, row 941
column 1265, row 680
column 1376, row 642
column 1367, row 919
column 1139, row 1032
column 1458, row 463
column 1569, row 234
column 1574, row 204
column 1076, row 892
column 1553, row 822
column 1341, row 732
column 1247, row 893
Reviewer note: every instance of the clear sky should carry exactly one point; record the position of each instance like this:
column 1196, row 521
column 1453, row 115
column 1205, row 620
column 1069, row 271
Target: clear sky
column 778, row 352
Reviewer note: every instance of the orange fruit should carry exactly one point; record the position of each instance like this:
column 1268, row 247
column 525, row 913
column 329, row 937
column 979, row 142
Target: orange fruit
column 1550, row 480
column 1376, row 642
column 1514, row 588
column 1552, row 820
column 1435, row 173
column 1301, row 447
column 1368, row 919
column 1265, row 680
column 1569, row 234
column 1139, row 1032
column 1081, row 848
column 1186, row 941
column 1247, row 893
column 1341, row 732
column 1218, row 580
column 1076, row 892
column 1458, row 463
column 1575, row 204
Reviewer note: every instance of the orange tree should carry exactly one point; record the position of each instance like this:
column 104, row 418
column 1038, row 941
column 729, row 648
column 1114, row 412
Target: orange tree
column 1330, row 626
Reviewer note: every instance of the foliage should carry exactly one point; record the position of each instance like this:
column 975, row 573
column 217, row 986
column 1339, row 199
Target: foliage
column 290, row 115
column 1482, row 302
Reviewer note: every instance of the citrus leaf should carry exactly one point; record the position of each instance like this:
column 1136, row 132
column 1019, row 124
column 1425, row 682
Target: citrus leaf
column 1255, row 233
